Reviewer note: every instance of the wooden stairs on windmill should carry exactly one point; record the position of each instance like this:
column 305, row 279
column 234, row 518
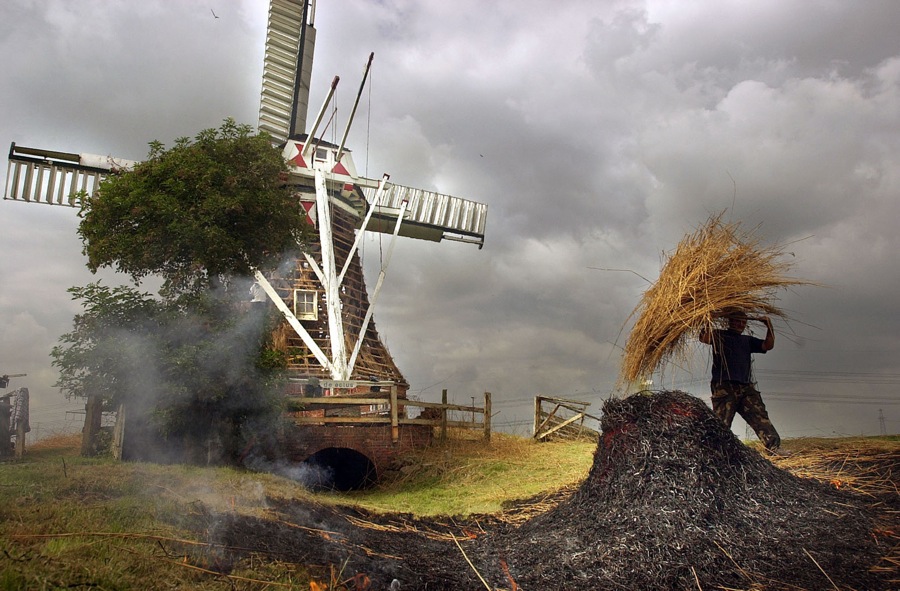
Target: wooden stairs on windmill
column 564, row 421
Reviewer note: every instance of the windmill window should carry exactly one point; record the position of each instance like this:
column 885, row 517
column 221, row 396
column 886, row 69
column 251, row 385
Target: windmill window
column 306, row 304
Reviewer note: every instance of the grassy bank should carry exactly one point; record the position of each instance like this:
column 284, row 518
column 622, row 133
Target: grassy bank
column 73, row 522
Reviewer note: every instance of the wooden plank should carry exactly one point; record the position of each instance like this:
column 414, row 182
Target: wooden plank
column 379, row 420
column 487, row 416
column 332, row 400
column 547, row 420
column 572, row 407
column 564, row 400
column 331, row 407
column 459, row 407
column 404, row 402
column 395, row 425
column 20, row 439
column 444, row 415
column 346, row 420
column 304, row 400
column 568, row 421
column 118, row 434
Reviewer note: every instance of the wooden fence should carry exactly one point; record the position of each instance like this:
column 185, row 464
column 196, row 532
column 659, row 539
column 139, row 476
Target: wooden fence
column 436, row 414
column 556, row 423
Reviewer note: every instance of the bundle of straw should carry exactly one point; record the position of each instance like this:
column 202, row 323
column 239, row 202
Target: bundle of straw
column 716, row 270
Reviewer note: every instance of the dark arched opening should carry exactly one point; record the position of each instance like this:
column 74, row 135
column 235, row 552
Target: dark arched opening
column 342, row 469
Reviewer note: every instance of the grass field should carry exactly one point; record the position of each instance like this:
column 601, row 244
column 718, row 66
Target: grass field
column 79, row 523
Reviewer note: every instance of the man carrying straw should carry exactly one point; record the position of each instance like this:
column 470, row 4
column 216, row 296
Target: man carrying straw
column 717, row 272
column 733, row 390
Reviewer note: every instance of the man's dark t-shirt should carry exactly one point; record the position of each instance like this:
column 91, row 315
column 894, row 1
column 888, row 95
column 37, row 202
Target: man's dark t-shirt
column 731, row 356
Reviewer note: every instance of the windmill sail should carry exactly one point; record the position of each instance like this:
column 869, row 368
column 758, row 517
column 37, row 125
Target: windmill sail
column 285, row 94
column 56, row 178
column 429, row 215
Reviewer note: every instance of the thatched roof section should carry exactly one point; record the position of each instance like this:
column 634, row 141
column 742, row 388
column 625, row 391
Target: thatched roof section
column 717, row 269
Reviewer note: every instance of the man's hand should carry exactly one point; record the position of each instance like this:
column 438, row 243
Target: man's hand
column 769, row 341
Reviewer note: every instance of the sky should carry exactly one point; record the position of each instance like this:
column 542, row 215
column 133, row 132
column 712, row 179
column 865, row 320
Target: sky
column 599, row 133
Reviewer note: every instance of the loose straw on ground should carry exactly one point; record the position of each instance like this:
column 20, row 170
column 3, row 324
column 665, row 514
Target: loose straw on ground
column 716, row 270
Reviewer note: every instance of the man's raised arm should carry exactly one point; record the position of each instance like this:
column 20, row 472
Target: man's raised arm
column 769, row 341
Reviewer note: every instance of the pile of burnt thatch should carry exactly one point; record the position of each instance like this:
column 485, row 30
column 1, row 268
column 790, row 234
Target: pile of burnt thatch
column 673, row 501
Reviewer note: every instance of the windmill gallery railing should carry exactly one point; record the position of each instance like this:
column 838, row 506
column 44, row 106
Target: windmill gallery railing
column 387, row 408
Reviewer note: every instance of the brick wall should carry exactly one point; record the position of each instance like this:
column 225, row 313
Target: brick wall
column 299, row 442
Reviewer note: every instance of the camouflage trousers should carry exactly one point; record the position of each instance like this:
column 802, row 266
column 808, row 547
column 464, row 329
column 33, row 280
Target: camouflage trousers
column 730, row 398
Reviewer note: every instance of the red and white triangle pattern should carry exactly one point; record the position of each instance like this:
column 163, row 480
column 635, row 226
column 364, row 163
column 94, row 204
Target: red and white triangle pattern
column 310, row 207
column 295, row 155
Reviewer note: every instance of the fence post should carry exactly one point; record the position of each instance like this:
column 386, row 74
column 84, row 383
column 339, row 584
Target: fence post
column 537, row 416
column 395, row 423
column 118, row 437
column 20, row 439
column 487, row 417
column 444, row 415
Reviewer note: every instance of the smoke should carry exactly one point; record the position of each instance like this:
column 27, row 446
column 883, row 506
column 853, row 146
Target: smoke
column 187, row 374
column 307, row 474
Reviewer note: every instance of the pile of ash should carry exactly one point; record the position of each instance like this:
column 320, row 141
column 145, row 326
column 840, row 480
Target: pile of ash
column 675, row 501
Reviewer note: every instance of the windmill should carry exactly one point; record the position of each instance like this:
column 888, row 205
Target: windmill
column 330, row 334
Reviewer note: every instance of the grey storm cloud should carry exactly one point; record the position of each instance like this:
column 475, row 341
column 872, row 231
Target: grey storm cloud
column 599, row 133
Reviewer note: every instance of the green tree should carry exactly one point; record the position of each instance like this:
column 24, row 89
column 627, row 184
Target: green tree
column 196, row 213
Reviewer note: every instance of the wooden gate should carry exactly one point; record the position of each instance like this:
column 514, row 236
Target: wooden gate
column 565, row 420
